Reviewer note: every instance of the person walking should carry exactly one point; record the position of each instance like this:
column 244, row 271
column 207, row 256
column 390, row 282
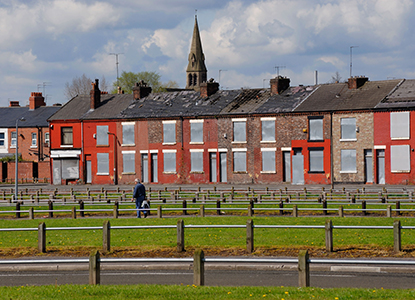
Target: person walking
column 139, row 195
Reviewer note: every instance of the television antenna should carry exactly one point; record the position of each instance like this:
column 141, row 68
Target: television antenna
column 116, row 64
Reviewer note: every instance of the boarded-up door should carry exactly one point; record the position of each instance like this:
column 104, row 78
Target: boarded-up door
column 298, row 167
column 57, row 172
column 381, row 166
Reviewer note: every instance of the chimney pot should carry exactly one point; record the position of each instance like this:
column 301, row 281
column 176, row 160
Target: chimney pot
column 279, row 84
column 36, row 100
column 95, row 95
column 141, row 90
column 208, row 88
column 356, row 82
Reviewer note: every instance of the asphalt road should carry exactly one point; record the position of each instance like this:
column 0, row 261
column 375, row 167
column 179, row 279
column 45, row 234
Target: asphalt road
column 214, row 278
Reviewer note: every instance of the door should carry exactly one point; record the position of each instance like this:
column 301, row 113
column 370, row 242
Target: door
column 298, row 167
column 88, row 171
column 223, row 167
column 57, row 172
column 380, row 166
column 154, row 167
column 287, row 166
column 213, row 167
column 144, row 167
column 368, row 166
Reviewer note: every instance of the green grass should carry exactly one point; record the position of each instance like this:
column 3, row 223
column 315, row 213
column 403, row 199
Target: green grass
column 213, row 237
column 194, row 292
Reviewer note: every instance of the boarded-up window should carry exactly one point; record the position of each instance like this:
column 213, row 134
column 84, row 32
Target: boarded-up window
column 400, row 158
column 66, row 136
column 268, row 130
column 316, row 128
column 348, row 128
column 169, row 132
column 316, row 160
column 102, row 135
column 128, row 160
column 196, row 132
column 348, row 160
column 70, row 168
column 103, row 165
column 268, row 160
column 128, row 134
column 400, row 125
column 239, row 161
column 196, row 158
column 169, row 162
column 239, row 131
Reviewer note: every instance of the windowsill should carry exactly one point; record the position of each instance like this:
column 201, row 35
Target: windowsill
column 103, row 146
column 128, row 173
column 240, row 172
column 407, row 171
column 196, row 143
column 169, row 173
column 106, row 174
column 348, row 172
column 348, row 140
column 13, row 147
column 238, row 142
column 164, row 144
column 400, row 138
column 66, row 146
column 197, row 172
column 33, row 147
column 268, row 172
column 127, row 145
column 264, row 142
column 315, row 172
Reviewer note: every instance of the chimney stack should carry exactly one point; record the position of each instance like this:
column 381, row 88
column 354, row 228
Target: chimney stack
column 208, row 88
column 357, row 82
column 95, row 95
column 141, row 90
column 14, row 104
column 279, row 84
column 36, row 100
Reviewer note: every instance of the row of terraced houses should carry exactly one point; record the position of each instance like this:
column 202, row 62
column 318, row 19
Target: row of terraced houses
column 359, row 131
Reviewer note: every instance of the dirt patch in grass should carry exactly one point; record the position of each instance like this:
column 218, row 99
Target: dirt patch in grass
column 315, row 252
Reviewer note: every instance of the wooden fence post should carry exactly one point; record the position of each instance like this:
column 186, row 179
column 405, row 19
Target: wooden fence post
column 184, row 207
column 202, row 211
column 18, row 209
column 73, row 212
column 198, row 268
column 397, row 236
column 281, row 212
column 329, row 236
column 41, row 237
column 218, row 207
column 295, row 211
column 324, row 207
column 389, row 211
column 106, row 237
column 159, row 212
column 250, row 208
column 81, row 208
column 31, row 213
column 50, row 203
column 341, row 213
column 180, row 235
column 94, row 268
column 398, row 207
column 249, row 236
column 303, row 269
column 364, row 208
column 115, row 211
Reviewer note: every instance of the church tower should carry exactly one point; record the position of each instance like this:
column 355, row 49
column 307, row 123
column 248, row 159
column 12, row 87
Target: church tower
column 196, row 70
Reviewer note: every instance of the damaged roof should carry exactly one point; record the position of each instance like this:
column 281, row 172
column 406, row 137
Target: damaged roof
column 403, row 96
column 338, row 96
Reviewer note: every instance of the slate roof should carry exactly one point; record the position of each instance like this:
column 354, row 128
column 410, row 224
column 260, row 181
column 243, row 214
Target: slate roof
column 78, row 108
column 402, row 97
column 36, row 117
column 223, row 102
column 338, row 97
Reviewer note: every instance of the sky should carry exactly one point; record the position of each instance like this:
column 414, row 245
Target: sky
column 46, row 43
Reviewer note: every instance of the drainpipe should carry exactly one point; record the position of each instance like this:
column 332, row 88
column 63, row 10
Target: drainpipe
column 115, row 157
column 331, row 151
column 83, row 162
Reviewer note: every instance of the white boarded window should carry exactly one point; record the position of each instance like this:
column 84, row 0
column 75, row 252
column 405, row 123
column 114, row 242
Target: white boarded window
column 169, row 162
column 348, row 128
column 400, row 125
column 169, row 132
column 268, row 160
column 239, row 161
column 103, row 165
column 316, row 129
column 239, row 130
column 128, row 160
column 196, row 131
column 348, row 160
column 196, row 158
column 102, row 135
column 400, row 158
column 268, row 130
column 316, row 160
column 128, row 134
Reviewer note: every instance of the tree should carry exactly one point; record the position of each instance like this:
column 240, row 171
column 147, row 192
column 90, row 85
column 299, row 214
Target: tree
column 82, row 86
column 127, row 80
column 336, row 77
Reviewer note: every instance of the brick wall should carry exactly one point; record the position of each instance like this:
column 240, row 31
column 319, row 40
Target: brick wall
column 25, row 171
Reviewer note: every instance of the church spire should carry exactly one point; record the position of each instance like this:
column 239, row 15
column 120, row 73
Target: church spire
column 196, row 69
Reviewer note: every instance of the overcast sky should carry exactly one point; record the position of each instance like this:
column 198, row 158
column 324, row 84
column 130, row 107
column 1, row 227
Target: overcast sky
column 49, row 42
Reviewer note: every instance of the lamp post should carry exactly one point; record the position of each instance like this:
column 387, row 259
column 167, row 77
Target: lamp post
column 16, row 180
